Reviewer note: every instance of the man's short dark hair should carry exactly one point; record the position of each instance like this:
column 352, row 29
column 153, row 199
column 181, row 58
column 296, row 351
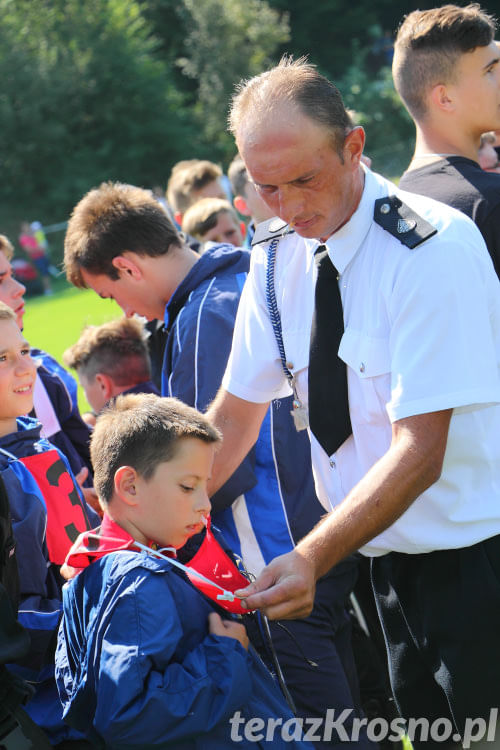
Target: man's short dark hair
column 118, row 349
column 142, row 430
column 295, row 82
column 110, row 220
column 428, row 46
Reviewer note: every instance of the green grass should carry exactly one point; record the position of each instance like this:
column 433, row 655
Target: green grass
column 54, row 323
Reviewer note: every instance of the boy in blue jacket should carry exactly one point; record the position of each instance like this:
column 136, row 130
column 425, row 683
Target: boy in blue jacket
column 48, row 512
column 144, row 659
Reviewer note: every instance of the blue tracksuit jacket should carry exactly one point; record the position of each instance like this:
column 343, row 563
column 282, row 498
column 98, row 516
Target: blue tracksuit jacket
column 40, row 603
column 137, row 668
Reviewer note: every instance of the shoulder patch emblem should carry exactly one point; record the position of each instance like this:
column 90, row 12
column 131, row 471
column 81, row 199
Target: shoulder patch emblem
column 402, row 222
column 268, row 230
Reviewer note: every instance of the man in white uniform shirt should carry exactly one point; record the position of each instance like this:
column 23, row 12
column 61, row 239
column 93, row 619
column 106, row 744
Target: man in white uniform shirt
column 416, row 485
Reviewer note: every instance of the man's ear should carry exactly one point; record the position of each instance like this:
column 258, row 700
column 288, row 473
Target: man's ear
column 352, row 148
column 241, row 206
column 106, row 385
column 441, row 98
column 128, row 265
column 125, row 484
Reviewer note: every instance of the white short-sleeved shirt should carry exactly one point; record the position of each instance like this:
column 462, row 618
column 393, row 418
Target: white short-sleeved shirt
column 422, row 333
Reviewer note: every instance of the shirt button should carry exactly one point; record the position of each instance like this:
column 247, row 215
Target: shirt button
column 332, row 463
column 385, row 208
column 289, row 365
column 362, row 367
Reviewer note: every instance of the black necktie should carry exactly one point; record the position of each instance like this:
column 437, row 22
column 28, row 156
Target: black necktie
column 329, row 418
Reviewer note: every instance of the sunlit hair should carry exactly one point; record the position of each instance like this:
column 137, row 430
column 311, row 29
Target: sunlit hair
column 6, row 247
column 203, row 215
column 295, row 82
column 6, row 313
column 110, row 220
column 187, row 179
column 142, row 430
column 118, row 349
column 429, row 45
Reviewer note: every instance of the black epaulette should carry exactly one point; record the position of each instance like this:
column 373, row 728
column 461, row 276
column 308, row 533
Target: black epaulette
column 268, row 230
column 402, row 222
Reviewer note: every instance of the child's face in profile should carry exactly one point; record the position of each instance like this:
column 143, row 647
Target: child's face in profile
column 11, row 290
column 17, row 376
column 226, row 230
column 173, row 502
column 93, row 391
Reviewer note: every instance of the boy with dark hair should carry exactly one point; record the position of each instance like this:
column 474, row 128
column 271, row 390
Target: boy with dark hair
column 213, row 220
column 151, row 663
column 48, row 513
column 110, row 359
column 446, row 69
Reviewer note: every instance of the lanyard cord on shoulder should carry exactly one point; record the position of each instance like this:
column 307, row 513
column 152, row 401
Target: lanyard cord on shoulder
column 299, row 412
column 272, row 307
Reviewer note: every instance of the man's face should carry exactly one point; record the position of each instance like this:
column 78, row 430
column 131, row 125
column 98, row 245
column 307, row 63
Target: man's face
column 476, row 92
column 299, row 173
column 17, row 376
column 11, row 290
column 226, row 230
column 131, row 294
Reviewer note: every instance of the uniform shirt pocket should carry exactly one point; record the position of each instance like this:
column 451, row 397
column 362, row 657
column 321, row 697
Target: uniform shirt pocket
column 368, row 374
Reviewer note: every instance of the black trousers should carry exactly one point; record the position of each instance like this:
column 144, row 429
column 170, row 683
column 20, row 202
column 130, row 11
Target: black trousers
column 440, row 613
column 325, row 639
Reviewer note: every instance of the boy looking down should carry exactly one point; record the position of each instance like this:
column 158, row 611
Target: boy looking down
column 144, row 659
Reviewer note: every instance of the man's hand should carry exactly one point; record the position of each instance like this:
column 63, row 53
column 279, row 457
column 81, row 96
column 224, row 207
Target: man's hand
column 227, row 628
column 284, row 589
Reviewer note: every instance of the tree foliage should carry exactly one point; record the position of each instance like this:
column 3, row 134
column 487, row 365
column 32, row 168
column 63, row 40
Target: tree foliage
column 84, row 98
column 227, row 40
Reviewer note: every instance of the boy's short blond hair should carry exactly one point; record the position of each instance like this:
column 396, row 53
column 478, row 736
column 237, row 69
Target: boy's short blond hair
column 204, row 215
column 118, row 349
column 187, row 179
column 6, row 313
column 6, row 247
column 142, row 431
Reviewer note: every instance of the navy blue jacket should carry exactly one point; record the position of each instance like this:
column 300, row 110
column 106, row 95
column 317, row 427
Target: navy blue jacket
column 137, row 667
column 40, row 603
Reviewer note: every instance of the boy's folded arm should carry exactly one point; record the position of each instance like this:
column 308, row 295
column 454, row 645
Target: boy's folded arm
column 186, row 699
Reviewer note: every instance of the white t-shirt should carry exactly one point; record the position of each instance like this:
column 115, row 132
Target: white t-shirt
column 422, row 333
